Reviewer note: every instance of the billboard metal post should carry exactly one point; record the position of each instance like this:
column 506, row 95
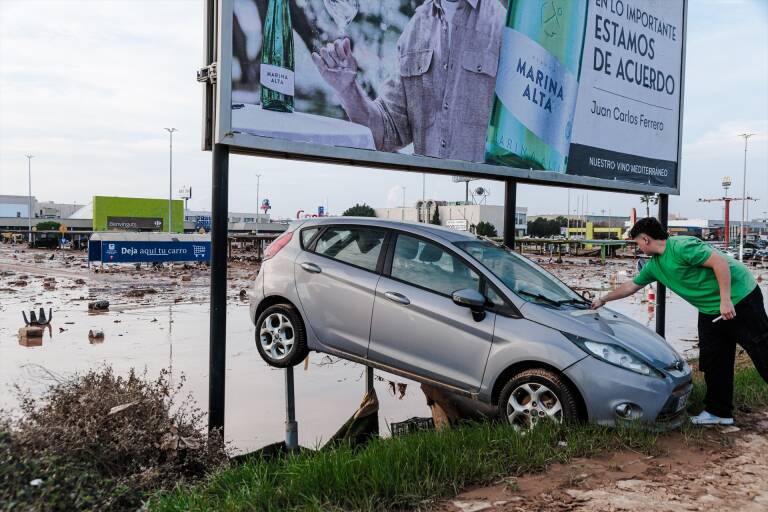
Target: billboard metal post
column 170, row 178
column 661, row 290
column 368, row 379
column 510, row 207
column 291, row 427
column 218, row 316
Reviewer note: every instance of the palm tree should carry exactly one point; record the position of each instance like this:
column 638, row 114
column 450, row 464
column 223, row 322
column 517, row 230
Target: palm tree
column 647, row 199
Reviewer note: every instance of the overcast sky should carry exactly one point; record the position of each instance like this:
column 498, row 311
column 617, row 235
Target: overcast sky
column 88, row 86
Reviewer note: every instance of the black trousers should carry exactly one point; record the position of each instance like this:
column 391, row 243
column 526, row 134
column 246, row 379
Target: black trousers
column 717, row 350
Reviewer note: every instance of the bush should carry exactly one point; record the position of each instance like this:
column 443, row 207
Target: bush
column 101, row 441
column 359, row 210
column 48, row 225
column 484, row 228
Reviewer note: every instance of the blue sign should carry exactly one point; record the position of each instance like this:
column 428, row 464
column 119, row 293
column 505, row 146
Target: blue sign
column 320, row 211
column 204, row 221
column 134, row 252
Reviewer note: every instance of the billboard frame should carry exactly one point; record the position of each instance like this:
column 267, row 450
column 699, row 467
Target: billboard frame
column 220, row 114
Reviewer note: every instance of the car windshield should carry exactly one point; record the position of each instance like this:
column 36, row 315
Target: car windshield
column 526, row 279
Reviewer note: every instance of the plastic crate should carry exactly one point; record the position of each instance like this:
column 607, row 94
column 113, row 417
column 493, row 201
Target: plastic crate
column 411, row 425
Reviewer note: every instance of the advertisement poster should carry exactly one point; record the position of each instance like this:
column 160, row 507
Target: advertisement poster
column 580, row 87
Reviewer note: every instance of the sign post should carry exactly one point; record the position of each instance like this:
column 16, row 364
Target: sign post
column 218, row 317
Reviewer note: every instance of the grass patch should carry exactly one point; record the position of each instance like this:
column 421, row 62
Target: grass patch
column 412, row 471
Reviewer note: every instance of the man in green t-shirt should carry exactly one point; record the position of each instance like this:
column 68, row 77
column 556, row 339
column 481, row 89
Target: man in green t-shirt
column 729, row 301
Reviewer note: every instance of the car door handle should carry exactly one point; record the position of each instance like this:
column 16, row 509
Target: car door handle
column 311, row 267
column 397, row 297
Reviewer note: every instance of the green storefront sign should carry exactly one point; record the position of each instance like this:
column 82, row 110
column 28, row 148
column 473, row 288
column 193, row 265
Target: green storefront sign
column 106, row 209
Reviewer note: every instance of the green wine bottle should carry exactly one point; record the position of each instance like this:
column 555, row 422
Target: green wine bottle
column 277, row 62
column 537, row 84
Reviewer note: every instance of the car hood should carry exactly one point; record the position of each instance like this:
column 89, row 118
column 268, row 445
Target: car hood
column 608, row 326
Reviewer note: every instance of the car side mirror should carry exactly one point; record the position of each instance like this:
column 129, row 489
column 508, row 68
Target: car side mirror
column 471, row 299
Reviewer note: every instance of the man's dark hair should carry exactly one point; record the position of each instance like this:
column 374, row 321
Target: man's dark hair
column 648, row 226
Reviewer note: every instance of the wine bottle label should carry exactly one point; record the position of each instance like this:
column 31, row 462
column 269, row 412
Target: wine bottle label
column 535, row 87
column 278, row 79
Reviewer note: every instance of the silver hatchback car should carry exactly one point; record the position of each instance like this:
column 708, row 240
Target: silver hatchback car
column 446, row 308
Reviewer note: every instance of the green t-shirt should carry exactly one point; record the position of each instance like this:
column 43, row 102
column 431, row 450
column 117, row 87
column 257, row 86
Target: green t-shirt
column 679, row 269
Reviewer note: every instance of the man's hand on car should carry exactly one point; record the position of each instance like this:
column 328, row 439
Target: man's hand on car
column 598, row 303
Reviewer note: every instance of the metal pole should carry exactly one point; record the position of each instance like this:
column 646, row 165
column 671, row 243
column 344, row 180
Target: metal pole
column 218, row 315
column 29, row 206
column 743, row 196
column 661, row 290
column 466, row 191
column 568, row 217
column 510, row 207
column 258, row 204
column 291, row 427
column 170, row 177
column 368, row 379
column 402, row 215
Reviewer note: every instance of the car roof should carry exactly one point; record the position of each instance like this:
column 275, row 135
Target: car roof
column 434, row 230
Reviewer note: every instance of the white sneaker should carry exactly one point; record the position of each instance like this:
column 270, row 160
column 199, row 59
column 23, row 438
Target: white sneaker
column 706, row 418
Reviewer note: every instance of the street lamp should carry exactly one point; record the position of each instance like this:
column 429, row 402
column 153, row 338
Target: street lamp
column 743, row 196
column 170, row 178
column 402, row 214
column 29, row 211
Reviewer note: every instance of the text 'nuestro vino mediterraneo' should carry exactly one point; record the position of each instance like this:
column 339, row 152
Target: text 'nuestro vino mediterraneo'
column 537, row 84
column 277, row 62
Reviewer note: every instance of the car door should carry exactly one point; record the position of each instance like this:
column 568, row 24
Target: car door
column 336, row 279
column 416, row 326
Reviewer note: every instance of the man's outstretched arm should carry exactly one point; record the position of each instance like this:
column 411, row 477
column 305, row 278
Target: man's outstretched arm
column 625, row 290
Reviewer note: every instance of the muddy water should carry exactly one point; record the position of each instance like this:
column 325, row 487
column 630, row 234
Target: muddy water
column 169, row 329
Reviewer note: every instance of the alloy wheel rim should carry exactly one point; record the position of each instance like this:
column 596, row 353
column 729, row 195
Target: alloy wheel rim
column 277, row 336
column 530, row 404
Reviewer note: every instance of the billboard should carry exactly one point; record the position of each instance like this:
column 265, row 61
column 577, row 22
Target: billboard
column 136, row 214
column 572, row 92
column 135, row 252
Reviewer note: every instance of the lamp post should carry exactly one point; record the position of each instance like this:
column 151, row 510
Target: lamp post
column 29, row 206
column 743, row 196
column 170, row 178
column 402, row 215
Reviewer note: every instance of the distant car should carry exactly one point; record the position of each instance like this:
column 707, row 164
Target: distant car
column 43, row 241
column 762, row 253
column 443, row 307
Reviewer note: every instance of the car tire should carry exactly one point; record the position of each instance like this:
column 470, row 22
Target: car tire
column 281, row 337
column 537, row 395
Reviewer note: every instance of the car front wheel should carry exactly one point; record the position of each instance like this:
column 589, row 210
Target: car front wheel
column 535, row 396
column 280, row 336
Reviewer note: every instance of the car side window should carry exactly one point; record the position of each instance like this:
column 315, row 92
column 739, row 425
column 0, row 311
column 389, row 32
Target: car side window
column 429, row 266
column 358, row 246
column 306, row 236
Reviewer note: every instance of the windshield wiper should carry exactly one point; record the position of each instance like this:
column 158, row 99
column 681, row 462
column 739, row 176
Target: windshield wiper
column 576, row 301
column 541, row 297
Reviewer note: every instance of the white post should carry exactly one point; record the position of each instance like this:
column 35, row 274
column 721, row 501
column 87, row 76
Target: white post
column 402, row 214
column 29, row 206
column 743, row 197
column 170, row 177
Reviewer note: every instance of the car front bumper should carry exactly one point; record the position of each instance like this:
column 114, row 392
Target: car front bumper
column 604, row 387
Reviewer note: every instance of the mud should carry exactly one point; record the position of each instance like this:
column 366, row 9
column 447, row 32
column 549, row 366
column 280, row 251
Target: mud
column 725, row 469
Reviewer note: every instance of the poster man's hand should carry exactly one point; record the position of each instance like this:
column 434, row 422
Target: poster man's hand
column 336, row 64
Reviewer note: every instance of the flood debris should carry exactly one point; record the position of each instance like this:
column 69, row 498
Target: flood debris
column 99, row 305
column 101, row 441
column 39, row 319
column 95, row 334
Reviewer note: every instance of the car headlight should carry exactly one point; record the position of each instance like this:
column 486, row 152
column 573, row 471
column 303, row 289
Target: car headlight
column 615, row 355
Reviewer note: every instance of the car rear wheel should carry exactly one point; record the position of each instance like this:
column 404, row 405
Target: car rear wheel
column 535, row 396
column 280, row 336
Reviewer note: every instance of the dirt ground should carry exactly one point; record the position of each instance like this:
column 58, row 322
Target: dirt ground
column 723, row 469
